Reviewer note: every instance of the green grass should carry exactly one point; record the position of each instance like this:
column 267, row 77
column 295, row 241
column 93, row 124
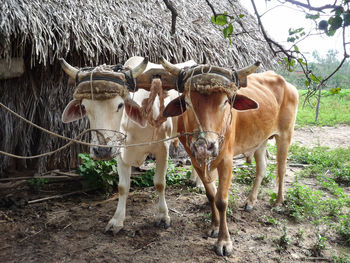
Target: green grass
column 326, row 202
column 328, row 165
column 334, row 109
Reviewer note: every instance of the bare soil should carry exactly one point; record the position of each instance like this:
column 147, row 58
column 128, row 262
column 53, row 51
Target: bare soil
column 71, row 229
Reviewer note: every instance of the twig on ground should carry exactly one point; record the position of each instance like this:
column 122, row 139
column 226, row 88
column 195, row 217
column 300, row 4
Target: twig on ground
column 7, row 217
column 177, row 212
column 30, row 236
column 114, row 197
column 298, row 165
column 61, row 196
column 144, row 246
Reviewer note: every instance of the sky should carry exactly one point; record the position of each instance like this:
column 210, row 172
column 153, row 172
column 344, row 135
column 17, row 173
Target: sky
column 277, row 22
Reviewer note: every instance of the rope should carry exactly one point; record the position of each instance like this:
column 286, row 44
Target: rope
column 71, row 141
column 147, row 104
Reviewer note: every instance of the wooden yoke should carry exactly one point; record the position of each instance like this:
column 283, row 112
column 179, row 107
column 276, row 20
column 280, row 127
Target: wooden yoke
column 144, row 81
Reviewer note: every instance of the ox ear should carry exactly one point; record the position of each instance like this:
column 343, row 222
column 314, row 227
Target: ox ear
column 73, row 111
column 134, row 112
column 175, row 107
column 242, row 103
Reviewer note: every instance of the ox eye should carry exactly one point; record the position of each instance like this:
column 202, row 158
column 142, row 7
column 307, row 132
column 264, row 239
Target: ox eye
column 120, row 106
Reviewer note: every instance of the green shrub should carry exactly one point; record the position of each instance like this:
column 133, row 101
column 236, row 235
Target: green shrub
column 246, row 175
column 303, row 203
column 104, row 174
column 99, row 174
column 324, row 163
column 343, row 228
column 36, row 184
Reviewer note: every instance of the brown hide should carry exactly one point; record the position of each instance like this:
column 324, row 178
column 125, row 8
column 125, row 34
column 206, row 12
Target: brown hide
column 247, row 131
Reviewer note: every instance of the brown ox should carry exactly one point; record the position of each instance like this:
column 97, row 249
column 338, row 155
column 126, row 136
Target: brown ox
column 226, row 122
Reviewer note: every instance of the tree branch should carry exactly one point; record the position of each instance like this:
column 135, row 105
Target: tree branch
column 174, row 14
column 310, row 7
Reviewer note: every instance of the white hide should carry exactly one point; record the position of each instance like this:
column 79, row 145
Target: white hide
column 110, row 114
column 135, row 156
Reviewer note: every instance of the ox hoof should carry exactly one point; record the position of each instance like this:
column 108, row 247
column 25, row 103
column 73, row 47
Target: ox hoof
column 224, row 248
column 162, row 223
column 213, row 233
column 113, row 227
column 248, row 208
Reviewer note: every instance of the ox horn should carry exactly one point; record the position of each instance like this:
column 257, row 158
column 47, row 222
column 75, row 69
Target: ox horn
column 244, row 72
column 169, row 67
column 248, row 70
column 70, row 70
column 139, row 69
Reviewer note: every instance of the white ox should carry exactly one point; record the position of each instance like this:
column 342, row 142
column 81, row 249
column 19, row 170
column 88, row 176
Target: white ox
column 124, row 115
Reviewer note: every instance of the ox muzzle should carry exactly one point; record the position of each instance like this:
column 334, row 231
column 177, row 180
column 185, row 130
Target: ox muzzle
column 203, row 149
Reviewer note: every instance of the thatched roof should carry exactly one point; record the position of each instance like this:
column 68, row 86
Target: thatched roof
column 116, row 30
column 93, row 32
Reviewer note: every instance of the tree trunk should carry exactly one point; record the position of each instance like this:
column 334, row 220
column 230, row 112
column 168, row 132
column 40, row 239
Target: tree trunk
column 318, row 103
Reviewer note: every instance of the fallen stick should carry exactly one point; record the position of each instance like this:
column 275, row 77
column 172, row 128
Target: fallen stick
column 12, row 185
column 30, row 236
column 41, row 177
column 177, row 212
column 298, row 165
column 69, row 174
column 114, row 197
column 60, row 196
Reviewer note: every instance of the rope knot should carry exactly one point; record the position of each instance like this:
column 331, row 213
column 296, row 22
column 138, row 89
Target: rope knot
column 147, row 104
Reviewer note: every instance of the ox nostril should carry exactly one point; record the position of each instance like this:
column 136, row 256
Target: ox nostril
column 212, row 149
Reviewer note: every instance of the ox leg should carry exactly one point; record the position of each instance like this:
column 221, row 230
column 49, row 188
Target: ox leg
column 282, row 143
column 162, row 218
column 210, row 190
column 261, row 163
column 117, row 221
column 224, row 244
column 196, row 181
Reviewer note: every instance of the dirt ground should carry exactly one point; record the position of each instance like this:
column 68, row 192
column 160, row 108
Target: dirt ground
column 72, row 229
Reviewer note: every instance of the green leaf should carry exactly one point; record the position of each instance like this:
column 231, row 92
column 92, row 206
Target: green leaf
column 335, row 90
column 314, row 78
column 301, row 61
column 338, row 10
column 313, row 17
column 295, row 31
column 228, row 30
column 241, row 15
column 335, row 22
column 330, row 33
column 296, row 49
column 323, row 24
column 230, row 40
column 219, row 20
column 307, row 83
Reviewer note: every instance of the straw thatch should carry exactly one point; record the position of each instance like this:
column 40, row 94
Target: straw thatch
column 93, row 32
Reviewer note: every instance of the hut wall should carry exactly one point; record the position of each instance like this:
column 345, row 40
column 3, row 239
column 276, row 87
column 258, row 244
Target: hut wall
column 39, row 96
